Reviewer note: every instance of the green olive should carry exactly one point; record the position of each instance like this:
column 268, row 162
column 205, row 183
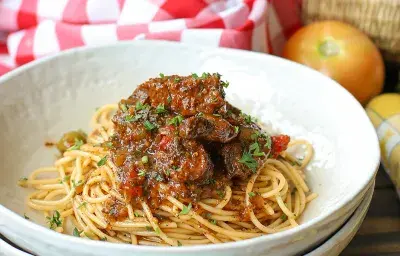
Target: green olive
column 69, row 139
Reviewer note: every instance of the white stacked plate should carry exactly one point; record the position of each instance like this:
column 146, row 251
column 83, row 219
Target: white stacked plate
column 43, row 99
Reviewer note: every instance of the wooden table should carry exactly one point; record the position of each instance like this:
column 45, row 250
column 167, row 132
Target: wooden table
column 380, row 232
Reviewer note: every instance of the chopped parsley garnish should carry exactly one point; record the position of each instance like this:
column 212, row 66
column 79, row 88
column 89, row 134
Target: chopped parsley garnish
column 210, row 181
column 213, row 221
column 137, row 215
column 179, row 243
column 248, row 160
column 103, row 239
column 168, row 173
column 82, row 205
column 55, row 220
column 251, row 194
column 195, row 76
column 77, row 184
column 177, row 80
column 76, row 232
column 148, row 228
column 236, row 129
column 77, row 145
column 161, row 109
column 109, row 144
column 139, row 106
column 247, row 118
column 186, row 209
column 205, row 75
column 157, row 230
column 159, row 178
column 268, row 142
column 255, row 147
column 162, row 75
column 142, row 173
column 145, row 159
column 284, row 217
column 130, row 118
column 23, row 179
column 220, row 193
column 217, row 115
column 124, row 108
column 225, row 84
column 169, row 99
column 66, row 178
column 176, row 120
column 26, row 217
column 102, row 161
column 149, row 126
column 200, row 114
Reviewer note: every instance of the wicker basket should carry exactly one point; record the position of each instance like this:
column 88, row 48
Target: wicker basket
column 379, row 19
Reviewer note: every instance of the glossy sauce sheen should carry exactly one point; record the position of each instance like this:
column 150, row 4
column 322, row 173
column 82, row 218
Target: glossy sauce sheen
column 178, row 136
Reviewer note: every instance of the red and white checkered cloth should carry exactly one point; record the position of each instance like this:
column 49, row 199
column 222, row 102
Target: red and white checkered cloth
column 30, row 29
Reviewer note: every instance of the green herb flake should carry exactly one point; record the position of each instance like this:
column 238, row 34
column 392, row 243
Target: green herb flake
column 137, row 215
column 26, row 217
column 225, row 84
column 77, row 184
column 251, row 194
column 248, row 160
column 149, row 126
column 130, row 118
column 268, row 142
column 142, row 173
column 168, row 173
column 148, row 228
column 255, row 147
column 23, row 179
column 176, row 120
column 236, row 129
column 179, row 243
column 76, row 232
column 139, row 106
column 161, row 109
column 76, row 146
column 103, row 239
column 66, row 178
column 123, row 107
column 158, row 231
column 109, row 144
column 145, row 159
column 169, row 99
column 55, row 220
column 177, row 79
column 102, row 161
column 162, row 75
column 82, row 205
column 186, row 209
column 213, row 221
column 205, row 75
column 284, row 217
column 220, row 193
column 159, row 178
column 195, row 76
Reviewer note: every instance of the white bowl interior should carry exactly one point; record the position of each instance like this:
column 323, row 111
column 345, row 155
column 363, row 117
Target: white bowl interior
column 40, row 102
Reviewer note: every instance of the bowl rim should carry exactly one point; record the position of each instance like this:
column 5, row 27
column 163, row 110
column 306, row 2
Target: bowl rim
column 373, row 139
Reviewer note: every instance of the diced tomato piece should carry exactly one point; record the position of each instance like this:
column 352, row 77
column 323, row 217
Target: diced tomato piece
column 133, row 190
column 133, row 174
column 279, row 144
column 164, row 142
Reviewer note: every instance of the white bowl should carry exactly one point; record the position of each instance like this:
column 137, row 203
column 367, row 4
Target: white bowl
column 43, row 99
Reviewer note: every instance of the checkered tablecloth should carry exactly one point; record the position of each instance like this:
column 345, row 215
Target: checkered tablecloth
column 30, row 29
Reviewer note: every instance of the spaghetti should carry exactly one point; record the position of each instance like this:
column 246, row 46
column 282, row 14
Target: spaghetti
column 74, row 193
